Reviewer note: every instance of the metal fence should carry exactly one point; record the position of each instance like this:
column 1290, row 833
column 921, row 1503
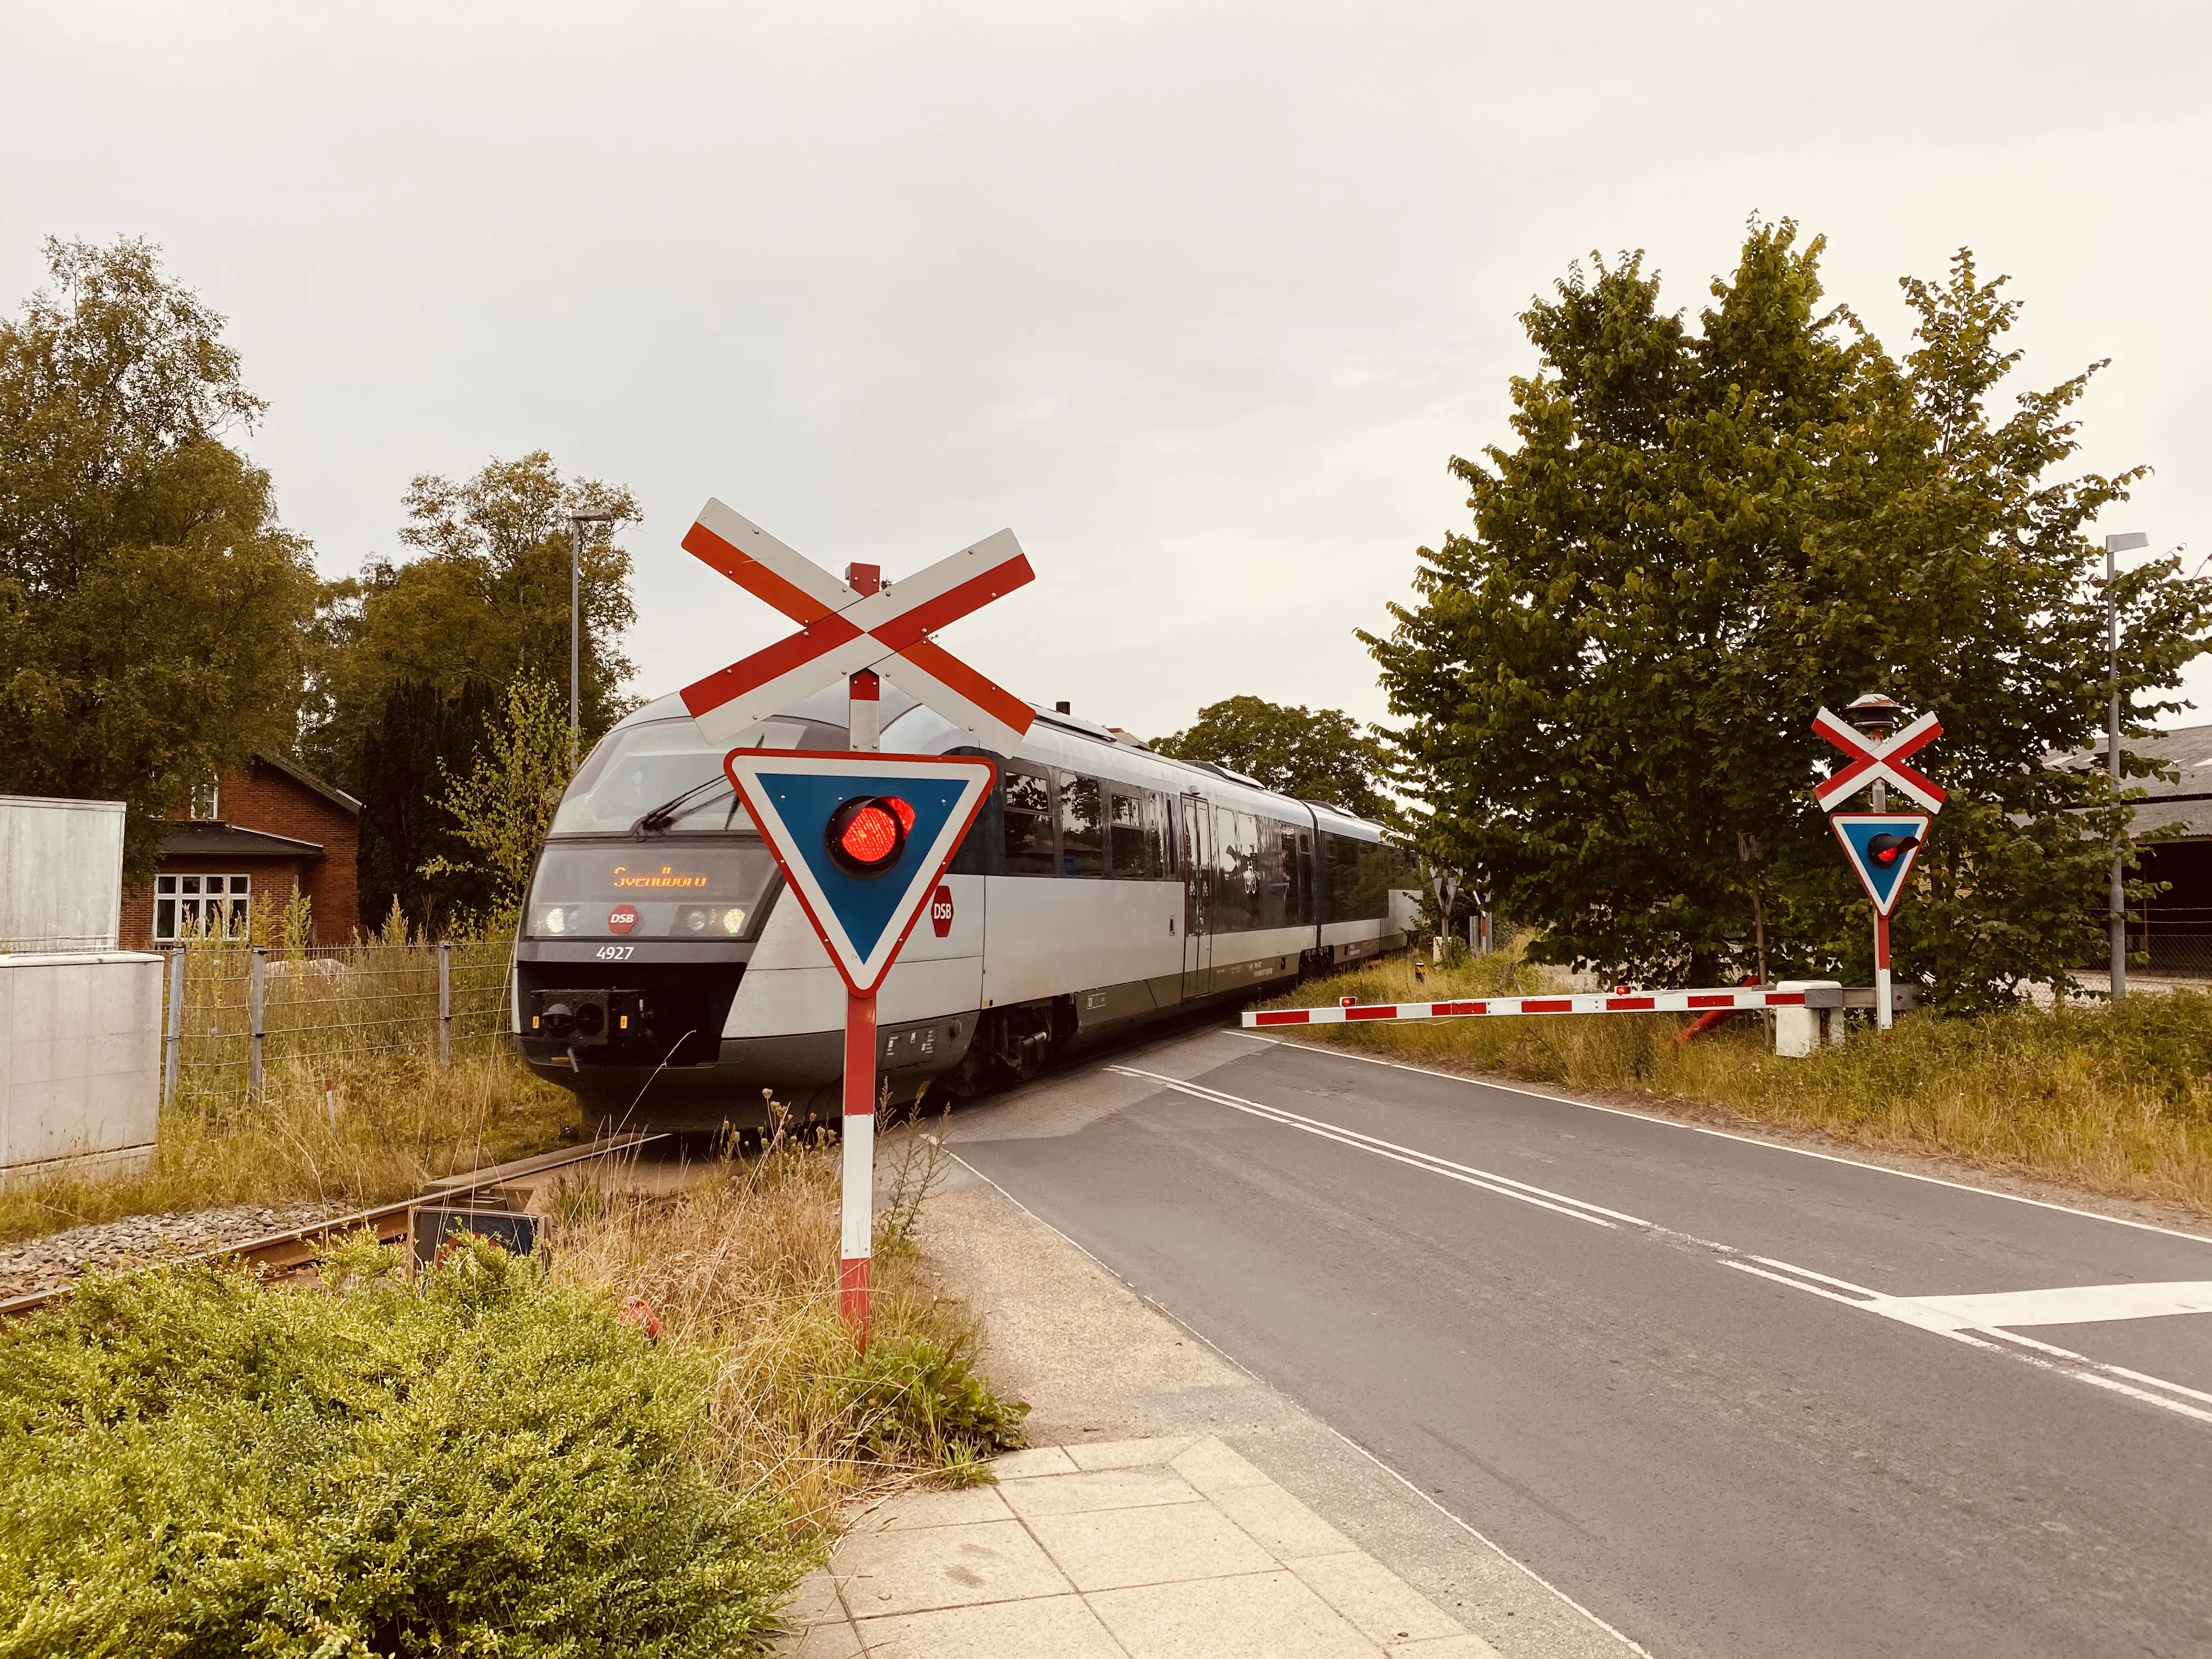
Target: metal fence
column 235, row 1012
column 2177, row 938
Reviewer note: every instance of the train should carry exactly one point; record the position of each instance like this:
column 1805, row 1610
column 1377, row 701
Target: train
column 1103, row 888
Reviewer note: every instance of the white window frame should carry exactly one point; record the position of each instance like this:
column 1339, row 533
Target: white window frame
column 206, row 805
column 215, row 906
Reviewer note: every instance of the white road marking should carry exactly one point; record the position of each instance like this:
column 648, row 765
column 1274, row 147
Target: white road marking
column 1503, row 1186
column 1719, row 1134
column 1972, row 1321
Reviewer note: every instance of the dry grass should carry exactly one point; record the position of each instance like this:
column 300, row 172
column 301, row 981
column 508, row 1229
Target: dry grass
column 741, row 1267
column 390, row 1122
column 2112, row 1100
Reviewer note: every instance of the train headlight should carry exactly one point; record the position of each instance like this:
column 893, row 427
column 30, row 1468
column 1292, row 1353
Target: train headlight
column 554, row 922
column 733, row 920
column 867, row 833
column 696, row 922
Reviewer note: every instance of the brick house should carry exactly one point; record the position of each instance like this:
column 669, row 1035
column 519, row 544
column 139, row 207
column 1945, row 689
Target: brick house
column 267, row 831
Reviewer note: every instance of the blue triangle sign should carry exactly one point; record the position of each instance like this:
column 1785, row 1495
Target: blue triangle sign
column 862, row 919
column 1883, row 848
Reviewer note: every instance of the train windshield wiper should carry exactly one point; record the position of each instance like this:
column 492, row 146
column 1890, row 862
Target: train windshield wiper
column 668, row 811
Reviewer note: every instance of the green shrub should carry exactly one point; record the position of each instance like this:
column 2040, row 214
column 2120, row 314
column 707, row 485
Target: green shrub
column 481, row 1463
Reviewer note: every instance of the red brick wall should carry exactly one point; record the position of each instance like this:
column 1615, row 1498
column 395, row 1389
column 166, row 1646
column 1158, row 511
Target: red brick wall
column 258, row 796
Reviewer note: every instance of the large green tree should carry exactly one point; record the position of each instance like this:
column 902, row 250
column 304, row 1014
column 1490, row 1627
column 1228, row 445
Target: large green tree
column 1702, row 535
column 1310, row 754
column 152, row 608
column 415, row 658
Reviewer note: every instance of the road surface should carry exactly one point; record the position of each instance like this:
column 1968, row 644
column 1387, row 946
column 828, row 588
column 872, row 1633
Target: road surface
column 1737, row 1399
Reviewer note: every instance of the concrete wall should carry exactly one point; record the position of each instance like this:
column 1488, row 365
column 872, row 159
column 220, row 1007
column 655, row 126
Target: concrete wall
column 61, row 873
column 80, row 1063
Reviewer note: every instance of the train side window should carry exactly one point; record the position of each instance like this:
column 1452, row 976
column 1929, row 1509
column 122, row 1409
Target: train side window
column 1160, row 837
column 1125, row 833
column 1082, row 826
column 1029, row 824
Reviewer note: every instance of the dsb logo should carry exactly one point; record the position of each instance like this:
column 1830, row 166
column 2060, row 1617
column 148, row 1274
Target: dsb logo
column 941, row 911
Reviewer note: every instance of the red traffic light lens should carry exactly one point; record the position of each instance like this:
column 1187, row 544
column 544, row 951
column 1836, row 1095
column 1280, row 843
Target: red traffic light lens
column 868, row 833
column 1886, row 850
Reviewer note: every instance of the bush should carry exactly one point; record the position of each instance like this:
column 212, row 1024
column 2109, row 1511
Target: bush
column 482, row 1463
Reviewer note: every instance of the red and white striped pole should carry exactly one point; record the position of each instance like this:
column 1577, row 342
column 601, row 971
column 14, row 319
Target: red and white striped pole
column 857, row 1206
column 1881, row 1004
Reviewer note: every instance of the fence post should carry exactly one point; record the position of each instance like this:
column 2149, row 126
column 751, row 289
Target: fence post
column 445, row 1002
column 256, row 996
column 176, row 1026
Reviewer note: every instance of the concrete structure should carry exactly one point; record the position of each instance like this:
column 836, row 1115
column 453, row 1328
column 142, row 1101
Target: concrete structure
column 80, row 1062
column 267, row 831
column 1801, row 1031
column 60, row 863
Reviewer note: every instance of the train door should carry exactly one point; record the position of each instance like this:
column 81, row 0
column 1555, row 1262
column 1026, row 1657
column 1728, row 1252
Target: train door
column 1195, row 823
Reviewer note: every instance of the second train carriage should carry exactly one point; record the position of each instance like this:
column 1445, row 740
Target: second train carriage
column 1103, row 886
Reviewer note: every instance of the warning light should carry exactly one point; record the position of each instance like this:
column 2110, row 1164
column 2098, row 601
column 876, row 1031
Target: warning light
column 868, row 833
column 1885, row 850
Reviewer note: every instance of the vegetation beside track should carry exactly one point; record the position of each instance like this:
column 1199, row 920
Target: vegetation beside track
column 499, row 1458
column 386, row 1124
column 2114, row 1100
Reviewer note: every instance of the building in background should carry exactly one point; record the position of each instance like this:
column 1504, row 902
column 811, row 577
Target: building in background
column 267, row 831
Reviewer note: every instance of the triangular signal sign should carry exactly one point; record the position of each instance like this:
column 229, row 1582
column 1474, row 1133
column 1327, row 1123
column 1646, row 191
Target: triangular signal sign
column 1883, row 848
column 862, row 917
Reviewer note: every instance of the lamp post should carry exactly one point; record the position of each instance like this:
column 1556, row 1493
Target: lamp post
column 2115, row 545
column 576, row 523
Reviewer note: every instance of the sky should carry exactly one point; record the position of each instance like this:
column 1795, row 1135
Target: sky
column 1200, row 300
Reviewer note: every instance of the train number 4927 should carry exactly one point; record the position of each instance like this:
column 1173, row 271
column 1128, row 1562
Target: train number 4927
column 615, row 952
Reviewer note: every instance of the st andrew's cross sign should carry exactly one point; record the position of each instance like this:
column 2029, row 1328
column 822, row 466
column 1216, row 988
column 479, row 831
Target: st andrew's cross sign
column 1881, row 845
column 846, row 631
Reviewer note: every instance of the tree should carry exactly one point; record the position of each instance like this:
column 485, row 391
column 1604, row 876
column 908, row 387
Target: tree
column 1701, row 538
column 414, row 659
column 152, row 608
column 502, row 809
column 1311, row 754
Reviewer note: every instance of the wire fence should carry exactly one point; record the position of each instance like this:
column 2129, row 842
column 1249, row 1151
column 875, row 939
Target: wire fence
column 233, row 1012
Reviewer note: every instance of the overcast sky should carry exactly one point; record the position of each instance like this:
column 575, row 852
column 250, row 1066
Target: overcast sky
column 1199, row 299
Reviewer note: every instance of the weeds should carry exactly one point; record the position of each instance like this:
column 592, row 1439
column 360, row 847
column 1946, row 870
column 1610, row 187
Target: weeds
column 2115, row 1099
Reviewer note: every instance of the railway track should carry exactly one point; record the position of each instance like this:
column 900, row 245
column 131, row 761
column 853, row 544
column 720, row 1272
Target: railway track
column 296, row 1248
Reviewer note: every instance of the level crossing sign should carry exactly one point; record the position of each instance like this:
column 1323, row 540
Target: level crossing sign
column 846, row 630
column 1882, row 847
column 1876, row 759
column 863, row 840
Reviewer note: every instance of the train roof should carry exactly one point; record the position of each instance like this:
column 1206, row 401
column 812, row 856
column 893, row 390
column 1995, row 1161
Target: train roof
column 1054, row 730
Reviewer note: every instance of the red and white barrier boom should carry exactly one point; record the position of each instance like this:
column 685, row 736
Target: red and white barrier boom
column 1580, row 1002
column 863, row 839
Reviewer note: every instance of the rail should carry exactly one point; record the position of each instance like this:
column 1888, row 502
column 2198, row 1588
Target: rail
column 289, row 1251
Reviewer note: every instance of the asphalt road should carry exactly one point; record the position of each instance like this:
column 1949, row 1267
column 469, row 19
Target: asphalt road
column 1736, row 1399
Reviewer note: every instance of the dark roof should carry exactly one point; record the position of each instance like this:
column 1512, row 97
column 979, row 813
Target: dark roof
column 337, row 797
column 2187, row 802
column 225, row 841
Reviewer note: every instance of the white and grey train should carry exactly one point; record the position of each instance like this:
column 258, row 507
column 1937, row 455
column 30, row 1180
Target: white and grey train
column 658, row 975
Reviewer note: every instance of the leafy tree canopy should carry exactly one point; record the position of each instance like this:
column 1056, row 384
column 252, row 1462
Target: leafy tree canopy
column 1703, row 535
column 152, row 608
column 1312, row 754
column 415, row 660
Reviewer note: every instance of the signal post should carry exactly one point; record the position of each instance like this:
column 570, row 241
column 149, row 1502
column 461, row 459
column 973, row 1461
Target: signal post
column 862, row 838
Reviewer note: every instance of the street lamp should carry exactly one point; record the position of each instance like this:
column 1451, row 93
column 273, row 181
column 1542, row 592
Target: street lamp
column 2114, row 544
column 576, row 523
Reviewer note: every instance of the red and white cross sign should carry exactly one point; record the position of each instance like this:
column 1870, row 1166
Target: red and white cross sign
column 844, row 631
column 1877, row 760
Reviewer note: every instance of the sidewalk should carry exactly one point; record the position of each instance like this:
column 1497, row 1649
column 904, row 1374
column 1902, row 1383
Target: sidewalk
column 1168, row 1547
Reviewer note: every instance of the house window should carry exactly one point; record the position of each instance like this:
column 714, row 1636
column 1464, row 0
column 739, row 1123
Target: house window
column 187, row 907
column 206, row 803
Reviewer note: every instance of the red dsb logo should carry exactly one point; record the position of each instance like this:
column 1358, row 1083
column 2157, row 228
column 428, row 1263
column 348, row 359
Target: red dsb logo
column 622, row 918
column 941, row 911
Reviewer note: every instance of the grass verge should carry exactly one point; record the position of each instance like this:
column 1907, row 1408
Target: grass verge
column 2112, row 1099
column 639, row 1452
